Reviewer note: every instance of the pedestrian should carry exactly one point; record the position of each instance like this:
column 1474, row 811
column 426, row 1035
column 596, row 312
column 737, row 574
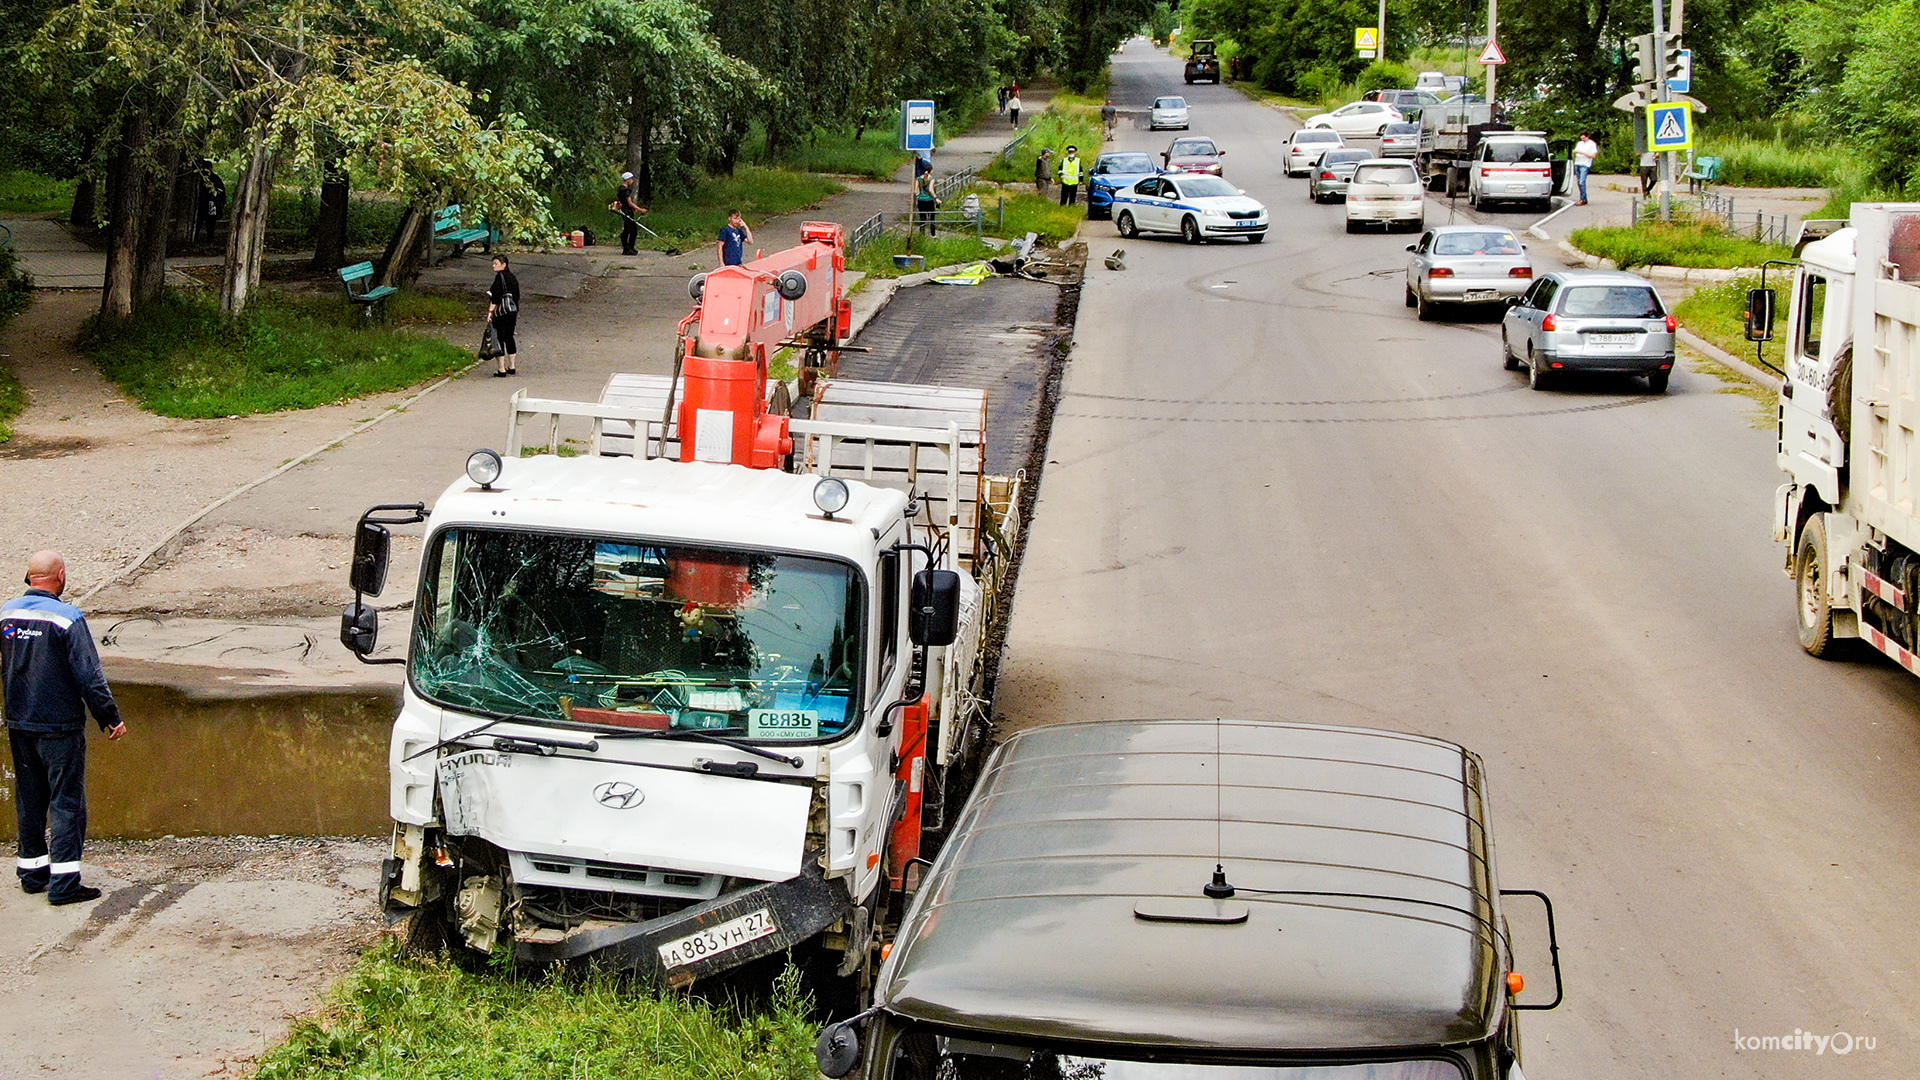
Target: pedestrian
column 1649, row 165
column 734, row 238
column 1013, row 106
column 1043, row 170
column 926, row 205
column 503, row 311
column 50, row 674
column 1070, row 177
column 1584, row 152
column 1108, row 115
column 1002, row 107
column 626, row 203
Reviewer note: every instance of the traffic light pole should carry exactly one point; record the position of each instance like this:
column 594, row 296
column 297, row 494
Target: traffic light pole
column 1663, row 94
column 1493, row 27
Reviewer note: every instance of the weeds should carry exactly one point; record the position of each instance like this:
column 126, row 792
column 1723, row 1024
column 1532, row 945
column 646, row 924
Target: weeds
column 1026, row 212
column 1674, row 245
column 13, row 399
column 1718, row 312
column 23, row 192
column 876, row 257
column 16, row 292
column 1059, row 127
column 396, row 1017
column 1746, row 161
column 182, row 357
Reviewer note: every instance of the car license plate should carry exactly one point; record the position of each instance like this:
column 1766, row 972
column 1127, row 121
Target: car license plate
column 1613, row 341
column 1479, row 294
column 1516, row 187
column 715, row 940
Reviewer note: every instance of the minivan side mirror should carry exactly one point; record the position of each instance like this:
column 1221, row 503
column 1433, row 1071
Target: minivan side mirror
column 1760, row 310
column 933, row 613
column 372, row 549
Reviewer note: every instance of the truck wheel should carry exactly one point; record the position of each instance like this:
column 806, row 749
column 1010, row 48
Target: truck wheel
column 1810, row 585
column 1125, row 224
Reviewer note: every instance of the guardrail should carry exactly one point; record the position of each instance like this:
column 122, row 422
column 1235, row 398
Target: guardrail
column 1006, row 152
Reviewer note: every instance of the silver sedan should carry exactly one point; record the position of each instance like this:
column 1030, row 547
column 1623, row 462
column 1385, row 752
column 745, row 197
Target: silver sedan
column 1327, row 180
column 1465, row 264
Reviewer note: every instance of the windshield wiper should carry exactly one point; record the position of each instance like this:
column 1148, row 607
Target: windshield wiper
column 744, row 747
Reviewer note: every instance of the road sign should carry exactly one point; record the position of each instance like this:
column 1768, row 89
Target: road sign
column 1366, row 40
column 916, row 125
column 1670, row 126
column 1492, row 54
column 1683, row 82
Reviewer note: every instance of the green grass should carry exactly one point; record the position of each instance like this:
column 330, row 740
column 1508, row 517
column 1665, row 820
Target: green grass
column 692, row 223
column 16, row 293
column 182, row 357
column 13, row 398
column 1718, row 312
column 1027, row 213
column 396, row 1018
column 876, row 155
column 292, row 213
column 876, row 258
column 1674, row 245
column 1059, row 127
column 23, row 192
column 1746, row 161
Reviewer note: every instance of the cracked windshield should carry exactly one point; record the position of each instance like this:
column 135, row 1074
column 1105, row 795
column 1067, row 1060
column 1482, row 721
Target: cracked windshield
column 639, row 635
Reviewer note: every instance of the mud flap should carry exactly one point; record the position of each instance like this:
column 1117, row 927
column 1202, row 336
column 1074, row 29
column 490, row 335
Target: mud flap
column 800, row 908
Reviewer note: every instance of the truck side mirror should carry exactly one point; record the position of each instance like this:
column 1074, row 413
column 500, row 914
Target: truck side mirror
column 372, row 547
column 1760, row 304
column 1534, row 946
column 933, row 615
column 359, row 628
column 838, row 1050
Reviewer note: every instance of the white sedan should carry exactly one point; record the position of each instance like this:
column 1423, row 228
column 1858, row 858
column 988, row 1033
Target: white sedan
column 1194, row 205
column 1167, row 112
column 1359, row 120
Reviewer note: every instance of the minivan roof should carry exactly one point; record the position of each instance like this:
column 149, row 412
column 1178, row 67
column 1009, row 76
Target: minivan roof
column 1372, row 929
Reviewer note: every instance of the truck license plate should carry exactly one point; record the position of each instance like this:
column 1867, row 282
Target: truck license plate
column 718, row 939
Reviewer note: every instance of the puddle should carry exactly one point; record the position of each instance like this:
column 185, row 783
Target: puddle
column 294, row 765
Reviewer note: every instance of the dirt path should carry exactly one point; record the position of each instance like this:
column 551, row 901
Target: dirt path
column 191, row 965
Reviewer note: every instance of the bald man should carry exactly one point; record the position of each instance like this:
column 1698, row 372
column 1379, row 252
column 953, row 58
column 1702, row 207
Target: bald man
column 52, row 678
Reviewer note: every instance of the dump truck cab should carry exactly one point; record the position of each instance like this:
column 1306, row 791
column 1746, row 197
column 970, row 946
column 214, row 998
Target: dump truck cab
column 1194, row 898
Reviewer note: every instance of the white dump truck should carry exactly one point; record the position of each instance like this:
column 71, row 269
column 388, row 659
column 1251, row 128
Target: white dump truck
column 1849, row 409
column 687, row 680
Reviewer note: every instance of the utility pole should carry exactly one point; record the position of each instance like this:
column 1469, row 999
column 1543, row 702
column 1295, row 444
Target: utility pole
column 1382, row 51
column 1493, row 27
column 1663, row 95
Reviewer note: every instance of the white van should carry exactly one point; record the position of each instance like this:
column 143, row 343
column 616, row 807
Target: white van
column 1511, row 166
column 1431, row 80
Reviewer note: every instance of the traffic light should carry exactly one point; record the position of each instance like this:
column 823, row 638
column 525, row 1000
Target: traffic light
column 1646, row 59
column 1675, row 62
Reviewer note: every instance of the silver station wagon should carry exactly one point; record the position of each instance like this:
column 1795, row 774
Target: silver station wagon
column 1590, row 320
column 1209, row 900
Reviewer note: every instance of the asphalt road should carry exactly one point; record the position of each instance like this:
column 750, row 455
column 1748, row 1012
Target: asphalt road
column 1271, row 492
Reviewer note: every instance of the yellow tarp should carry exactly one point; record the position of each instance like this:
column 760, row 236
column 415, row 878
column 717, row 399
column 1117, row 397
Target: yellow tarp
column 972, row 275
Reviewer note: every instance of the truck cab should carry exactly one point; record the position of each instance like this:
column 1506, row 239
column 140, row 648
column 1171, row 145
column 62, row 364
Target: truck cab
column 1203, row 65
column 1296, row 901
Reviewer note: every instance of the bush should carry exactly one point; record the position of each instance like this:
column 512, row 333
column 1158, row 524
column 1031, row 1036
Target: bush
column 180, row 356
column 1384, row 75
column 1675, row 245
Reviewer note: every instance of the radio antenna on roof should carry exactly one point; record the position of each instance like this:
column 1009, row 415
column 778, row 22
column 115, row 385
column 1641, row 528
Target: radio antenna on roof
column 1218, row 888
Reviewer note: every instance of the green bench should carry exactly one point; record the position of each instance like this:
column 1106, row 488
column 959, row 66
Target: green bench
column 447, row 229
column 1705, row 171
column 368, row 296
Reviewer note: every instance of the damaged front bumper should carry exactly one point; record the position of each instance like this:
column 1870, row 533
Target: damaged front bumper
column 706, row 939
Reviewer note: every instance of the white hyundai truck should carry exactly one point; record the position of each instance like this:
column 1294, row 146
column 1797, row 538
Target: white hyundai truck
column 689, row 694
column 1849, row 410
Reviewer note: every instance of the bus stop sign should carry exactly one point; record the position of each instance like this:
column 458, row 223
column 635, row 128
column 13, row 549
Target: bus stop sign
column 916, row 125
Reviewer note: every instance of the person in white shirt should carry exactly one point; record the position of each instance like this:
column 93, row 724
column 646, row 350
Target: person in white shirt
column 1584, row 152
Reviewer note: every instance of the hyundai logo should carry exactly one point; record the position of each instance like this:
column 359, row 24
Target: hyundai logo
column 619, row 795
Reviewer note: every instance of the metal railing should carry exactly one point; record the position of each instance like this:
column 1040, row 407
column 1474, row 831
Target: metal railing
column 865, row 233
column 1006, row 152
column 955, row 181
column 1718, row 211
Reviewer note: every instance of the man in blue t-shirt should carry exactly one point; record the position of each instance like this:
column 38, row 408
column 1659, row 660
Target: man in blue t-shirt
column 734, row 238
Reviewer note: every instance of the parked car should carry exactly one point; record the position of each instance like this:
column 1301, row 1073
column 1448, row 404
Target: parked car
column 1511, row 166
column 1195, row 206
column 1193, row 154
column 1305, row 147
column 1386, row 192
column 1590, row 320
column 1112, row 172
column 1466, row 264
column 1084, row 921
column 1358, row 120
column 1400, row 140
column 1328, row 178
column 1408, row 101
column 1431, row 80
column 1167, row 112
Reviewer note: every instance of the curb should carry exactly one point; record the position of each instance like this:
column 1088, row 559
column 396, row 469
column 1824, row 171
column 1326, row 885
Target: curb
column 1744, row 368
column 1693, row 275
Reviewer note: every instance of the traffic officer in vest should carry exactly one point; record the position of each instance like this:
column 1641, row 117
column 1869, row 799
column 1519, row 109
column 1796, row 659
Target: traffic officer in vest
column 1070, row 177
column 51, row 675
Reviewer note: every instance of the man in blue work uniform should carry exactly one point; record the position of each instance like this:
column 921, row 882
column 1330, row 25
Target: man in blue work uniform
column 51, row 676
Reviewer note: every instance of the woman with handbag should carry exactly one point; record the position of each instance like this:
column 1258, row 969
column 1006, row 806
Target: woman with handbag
column 503, row 311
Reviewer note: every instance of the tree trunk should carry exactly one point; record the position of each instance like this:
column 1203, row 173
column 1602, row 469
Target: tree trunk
column 640, row 138
column 126, row 188
column 330, row 231
column 240, row 274
column 86, row 198
column 400, row 266
column 156, row 226
column 186, row 199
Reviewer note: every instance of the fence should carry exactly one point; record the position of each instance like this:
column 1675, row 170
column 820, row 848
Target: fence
column 955, row 181
column 1717, row 211
column 1006, row 152
column 865, row 233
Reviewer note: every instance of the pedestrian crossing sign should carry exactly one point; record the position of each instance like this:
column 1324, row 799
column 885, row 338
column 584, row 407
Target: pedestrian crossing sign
column 1670, row 126
column 1366, row 39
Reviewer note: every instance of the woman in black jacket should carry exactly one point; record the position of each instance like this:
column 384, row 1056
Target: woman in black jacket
column 503, row 310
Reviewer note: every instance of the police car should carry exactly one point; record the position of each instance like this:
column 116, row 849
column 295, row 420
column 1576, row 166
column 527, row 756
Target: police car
column 1195, row 206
